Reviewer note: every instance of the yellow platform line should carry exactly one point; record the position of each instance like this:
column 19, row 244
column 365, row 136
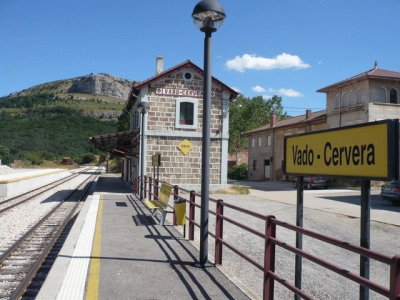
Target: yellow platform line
column 92, row 289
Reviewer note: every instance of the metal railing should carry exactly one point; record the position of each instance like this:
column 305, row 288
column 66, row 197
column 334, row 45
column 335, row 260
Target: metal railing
column 271, row 241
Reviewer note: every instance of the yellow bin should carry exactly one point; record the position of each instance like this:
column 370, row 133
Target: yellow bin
column 180, row 213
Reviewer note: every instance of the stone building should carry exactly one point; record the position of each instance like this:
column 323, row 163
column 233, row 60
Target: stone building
column 173, row 125
column 266, row 143
column 370, row 96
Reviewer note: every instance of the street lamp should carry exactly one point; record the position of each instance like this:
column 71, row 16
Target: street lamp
column 208, row 16
column 142, row 108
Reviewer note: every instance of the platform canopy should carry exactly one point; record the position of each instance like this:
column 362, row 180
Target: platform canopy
column 124, row 144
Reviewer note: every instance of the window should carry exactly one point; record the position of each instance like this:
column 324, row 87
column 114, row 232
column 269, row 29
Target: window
column 254, row 165
column 253, row 142
column 188, row 76
column 259, row 141
column 135, row 120
column 393, row 96
column 337, row 101
column 269, row 140
column 186, row 113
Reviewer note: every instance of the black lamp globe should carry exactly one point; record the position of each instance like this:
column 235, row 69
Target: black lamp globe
column 143, row 107
column 208, row 15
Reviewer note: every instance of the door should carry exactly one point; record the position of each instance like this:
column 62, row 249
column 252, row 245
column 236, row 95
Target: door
column 267, row 169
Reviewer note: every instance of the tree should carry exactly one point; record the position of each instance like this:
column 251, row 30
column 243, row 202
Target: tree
column 249, row 113
column 123, row 123
column 5, row 155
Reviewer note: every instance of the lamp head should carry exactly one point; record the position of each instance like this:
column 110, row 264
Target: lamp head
column 143, row 107
column 208, row 15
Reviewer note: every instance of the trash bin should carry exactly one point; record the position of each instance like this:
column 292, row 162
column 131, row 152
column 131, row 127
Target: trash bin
column 180, row 211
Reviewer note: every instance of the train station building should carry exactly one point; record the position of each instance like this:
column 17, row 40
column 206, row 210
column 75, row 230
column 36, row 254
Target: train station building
column 173, row 127
column 370, row 96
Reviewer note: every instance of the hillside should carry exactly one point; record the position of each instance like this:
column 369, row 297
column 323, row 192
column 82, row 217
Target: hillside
column 56, row 119
column 98, row 95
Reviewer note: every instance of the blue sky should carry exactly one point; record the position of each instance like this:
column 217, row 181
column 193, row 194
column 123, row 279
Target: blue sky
column 286, row 47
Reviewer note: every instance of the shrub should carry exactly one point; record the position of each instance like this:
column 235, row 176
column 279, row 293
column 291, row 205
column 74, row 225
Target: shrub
column 88, row 158
column 238, row 172
column 35, row 158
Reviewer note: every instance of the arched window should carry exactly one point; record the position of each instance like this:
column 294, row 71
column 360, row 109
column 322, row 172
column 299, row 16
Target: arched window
column 337, row 101
column 393, row 96
column 380, row 94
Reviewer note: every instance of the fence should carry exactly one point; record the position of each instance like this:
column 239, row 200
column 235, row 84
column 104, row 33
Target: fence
column 271, row 241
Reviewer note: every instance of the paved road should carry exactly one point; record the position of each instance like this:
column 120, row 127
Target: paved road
column 339, row 201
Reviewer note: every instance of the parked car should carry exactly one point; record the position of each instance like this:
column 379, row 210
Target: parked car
column 311, row 182
column 391, row 192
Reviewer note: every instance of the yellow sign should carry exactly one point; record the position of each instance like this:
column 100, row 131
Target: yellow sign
column 185, row 146
column 156, row 160
column 369, row 151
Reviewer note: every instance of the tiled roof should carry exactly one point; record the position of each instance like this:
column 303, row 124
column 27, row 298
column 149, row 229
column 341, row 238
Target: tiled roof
column 373, row 73
column 290, row 121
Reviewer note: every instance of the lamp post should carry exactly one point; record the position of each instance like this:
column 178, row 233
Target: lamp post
column 208, row 16
column 142, row 108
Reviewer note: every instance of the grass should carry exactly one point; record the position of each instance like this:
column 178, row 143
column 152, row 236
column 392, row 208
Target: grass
column 234, row 190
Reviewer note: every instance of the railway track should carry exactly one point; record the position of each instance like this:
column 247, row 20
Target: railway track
column 21, row 261
column 22, row 198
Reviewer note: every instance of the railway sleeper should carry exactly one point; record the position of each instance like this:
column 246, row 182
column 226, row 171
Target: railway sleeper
column 11, row 271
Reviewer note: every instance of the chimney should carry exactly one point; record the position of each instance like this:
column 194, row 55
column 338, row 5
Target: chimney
column 272, row 120
column 159, row 65
column 308, row 114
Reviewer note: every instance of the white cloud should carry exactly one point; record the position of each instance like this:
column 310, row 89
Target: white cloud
column 237, row 90
column 289, row 93
column 258, row 89
column 285, row 92
column 253, row 62
column 267, row 97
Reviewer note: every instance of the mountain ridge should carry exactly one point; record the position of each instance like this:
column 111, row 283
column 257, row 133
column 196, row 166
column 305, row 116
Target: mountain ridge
column 98, row 84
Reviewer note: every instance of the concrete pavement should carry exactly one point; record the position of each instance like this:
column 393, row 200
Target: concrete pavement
column 340, row 201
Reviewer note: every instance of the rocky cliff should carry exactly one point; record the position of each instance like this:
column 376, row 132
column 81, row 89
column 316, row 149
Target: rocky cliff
column 101, row 84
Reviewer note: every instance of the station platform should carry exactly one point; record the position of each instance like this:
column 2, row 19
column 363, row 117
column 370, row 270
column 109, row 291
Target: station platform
column 18, row 181
column 117, row 250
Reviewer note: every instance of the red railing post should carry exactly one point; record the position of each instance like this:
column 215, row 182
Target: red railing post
column 219, row 231
column 176, row 191
column 135, row 185
column 150, row 187
column 145, row 187
column 395, row 278
column 269, row 259
column 192, row 201
column 156, row 189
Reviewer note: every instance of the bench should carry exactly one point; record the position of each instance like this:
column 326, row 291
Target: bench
column 160, row 205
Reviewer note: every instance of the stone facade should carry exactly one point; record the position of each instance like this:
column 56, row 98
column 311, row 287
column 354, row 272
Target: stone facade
column 168, row 93
column 367, row 97
column 266, row 144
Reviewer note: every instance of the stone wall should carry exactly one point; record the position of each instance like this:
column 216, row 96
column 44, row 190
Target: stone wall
column 164, row 136
column 177, row 168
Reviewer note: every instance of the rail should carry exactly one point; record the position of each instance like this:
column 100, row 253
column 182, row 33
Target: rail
column 392, row 292
column 37, row 260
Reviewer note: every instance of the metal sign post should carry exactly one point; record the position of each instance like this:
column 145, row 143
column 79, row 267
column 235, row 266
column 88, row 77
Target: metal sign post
column 299, row 236
column 365, row 234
